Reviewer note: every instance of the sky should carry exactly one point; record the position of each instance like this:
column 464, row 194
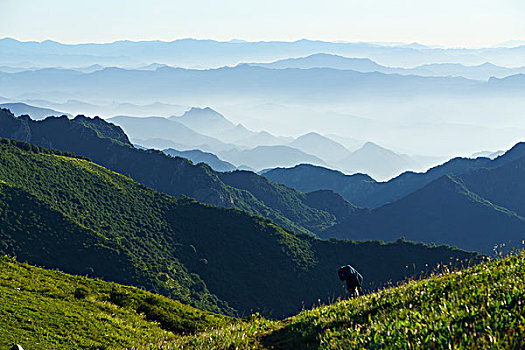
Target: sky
column 452, row 23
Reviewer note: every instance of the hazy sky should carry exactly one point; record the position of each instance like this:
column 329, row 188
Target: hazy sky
column 444, row 22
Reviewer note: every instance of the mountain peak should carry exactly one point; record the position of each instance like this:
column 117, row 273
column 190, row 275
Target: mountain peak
column 198, row 109
column 196, row 112
column 321, row 146
column 240, row 126
column 378, row 162
column 311, row 134
column 265, row 133
column 372, row 146
column 204, row 120
column 338, row 57
column 487, row 65
column 415, row 45
column 324, row 60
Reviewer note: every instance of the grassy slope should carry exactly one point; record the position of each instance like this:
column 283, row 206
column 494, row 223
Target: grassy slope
column 43, row 309
column 479, row 307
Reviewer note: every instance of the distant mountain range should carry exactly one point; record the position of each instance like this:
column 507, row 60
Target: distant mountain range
column 203, row 128
column 75, row 107
column 488, row 154
column 364, row 191
column 141, row 129
column 321, row 60
column 376, row 161
column 205, row 121
column 260, row 150
column 241, row 82
column 36, row 113
column 472, row 203
column 467, row 185
column 206, row 130
column 263, row 157
column 351, row 104
column 209, row 122
column 371, row 159
column 210, row 53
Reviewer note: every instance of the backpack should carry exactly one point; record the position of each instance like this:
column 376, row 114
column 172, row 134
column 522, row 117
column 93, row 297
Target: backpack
column 344, row 272
column 350, row 275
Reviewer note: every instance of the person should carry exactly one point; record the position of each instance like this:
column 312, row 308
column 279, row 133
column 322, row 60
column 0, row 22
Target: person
column 353, row 279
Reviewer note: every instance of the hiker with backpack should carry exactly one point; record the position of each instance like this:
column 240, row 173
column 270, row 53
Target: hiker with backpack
column 353, row 279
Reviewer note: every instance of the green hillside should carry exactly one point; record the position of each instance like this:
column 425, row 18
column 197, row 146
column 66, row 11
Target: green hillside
column 42, row 309
column 482, row 307
column 107, row 145
column 85, row 219
column 297, row 206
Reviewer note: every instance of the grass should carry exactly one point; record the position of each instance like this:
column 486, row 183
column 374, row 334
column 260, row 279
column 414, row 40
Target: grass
column 479, row 307
column 46, row 309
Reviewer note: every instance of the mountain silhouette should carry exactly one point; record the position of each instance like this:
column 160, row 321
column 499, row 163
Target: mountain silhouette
column 321, row 146
column 482, row 71
column 376, row 161
column 263, row 157
column 443, row 212
column 323, row 60
column 36, row 113
column 204, row 120
column 144, row 128
column 364, row 191
column 210, row 53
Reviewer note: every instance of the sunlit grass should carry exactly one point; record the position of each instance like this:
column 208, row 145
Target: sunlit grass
column 479, row 307
column 43, row 309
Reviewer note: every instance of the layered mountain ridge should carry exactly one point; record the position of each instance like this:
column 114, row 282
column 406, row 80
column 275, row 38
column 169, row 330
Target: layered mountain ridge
column 329, row 215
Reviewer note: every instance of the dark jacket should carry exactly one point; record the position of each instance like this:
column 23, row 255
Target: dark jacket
column 351, row 276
